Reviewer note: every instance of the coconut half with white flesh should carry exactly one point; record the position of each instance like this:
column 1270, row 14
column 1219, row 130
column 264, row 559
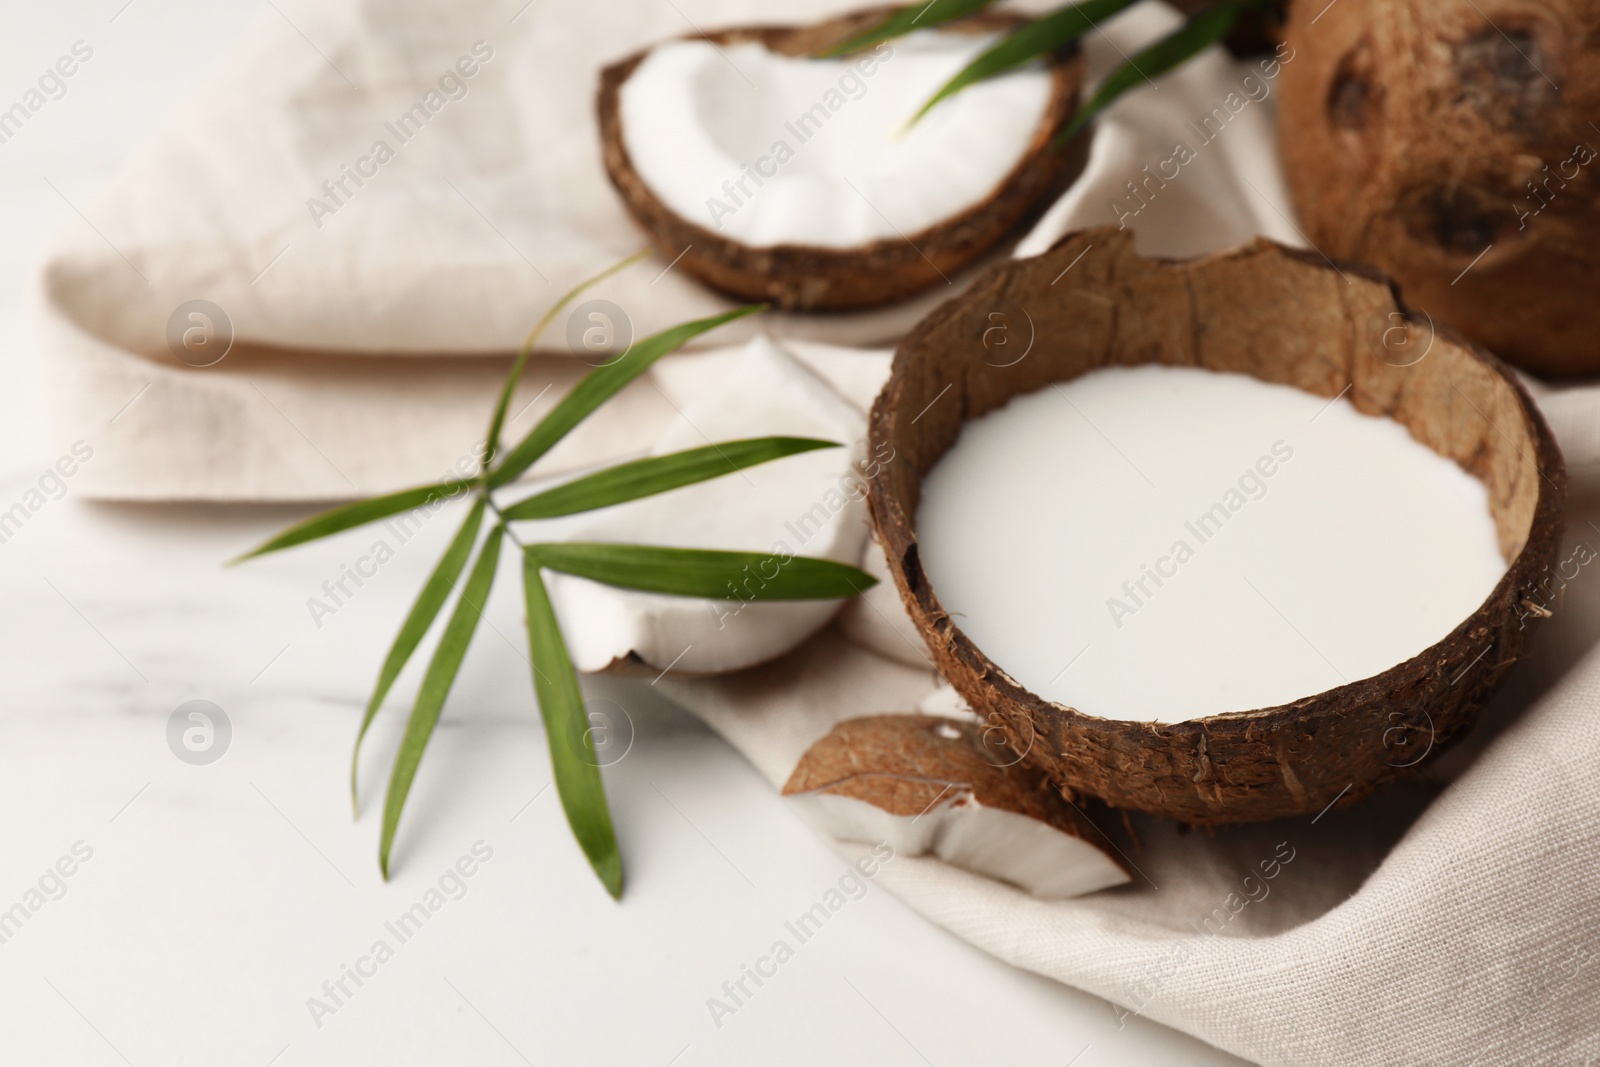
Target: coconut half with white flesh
column 772, row 175
column 810, row 504
column 926, row 784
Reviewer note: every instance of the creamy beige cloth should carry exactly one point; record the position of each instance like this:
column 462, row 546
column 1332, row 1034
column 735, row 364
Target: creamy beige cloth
column 1450, row 921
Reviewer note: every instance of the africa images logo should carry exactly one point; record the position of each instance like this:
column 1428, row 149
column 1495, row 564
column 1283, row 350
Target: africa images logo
column 199, row 732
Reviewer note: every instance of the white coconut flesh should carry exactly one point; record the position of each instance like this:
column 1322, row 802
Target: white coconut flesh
column 798, row 505
column 932, row 785
column 1025, row 852
column 767, row 149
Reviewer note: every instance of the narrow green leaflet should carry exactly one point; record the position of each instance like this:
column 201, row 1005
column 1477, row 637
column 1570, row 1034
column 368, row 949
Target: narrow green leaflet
column 658, row 474
column 491, row 440
column 436, row 686
column 573, row 761
column 360, row 513
column 674, row 571
column 703, row 572
column 601, row 385
column 916, row 17
column 1199, row 33
column 1029, row 42
column 423, row 612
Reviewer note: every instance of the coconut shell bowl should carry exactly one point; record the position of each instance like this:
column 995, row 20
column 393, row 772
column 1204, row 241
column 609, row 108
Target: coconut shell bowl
column 1283, row 316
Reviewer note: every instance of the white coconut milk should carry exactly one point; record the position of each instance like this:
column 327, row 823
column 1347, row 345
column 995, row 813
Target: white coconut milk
column 1162, row 543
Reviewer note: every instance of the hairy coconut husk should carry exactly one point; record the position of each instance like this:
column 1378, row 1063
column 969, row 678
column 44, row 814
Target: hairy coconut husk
column 1411, row 130
column 811, row 278
column 1283, row 316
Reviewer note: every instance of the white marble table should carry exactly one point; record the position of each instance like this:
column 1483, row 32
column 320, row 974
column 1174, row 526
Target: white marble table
column 207, row 904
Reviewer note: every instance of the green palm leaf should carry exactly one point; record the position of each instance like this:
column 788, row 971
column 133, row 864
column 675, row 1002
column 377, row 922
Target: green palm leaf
column 423, row 612
column 1029, row 42
column 706, row 573
column 435, row 687
column 1193, row 37
column 359, row 513
column 600, row 385
column 919, row 16
column 573, row 761
column 658, row 474
column 491, row 440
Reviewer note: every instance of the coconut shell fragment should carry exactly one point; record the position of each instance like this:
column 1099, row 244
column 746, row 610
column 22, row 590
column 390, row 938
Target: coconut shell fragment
column 949, row 787
column 809, row 277
column 1284, row 316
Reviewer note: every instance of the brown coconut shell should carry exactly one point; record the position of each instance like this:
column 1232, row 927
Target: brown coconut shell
column 906, row 764
column 811, row 278
column 1283, row 316
column 968, row 784
column 1411, row 131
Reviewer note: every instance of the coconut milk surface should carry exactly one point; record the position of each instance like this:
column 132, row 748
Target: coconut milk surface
column 1163, row 543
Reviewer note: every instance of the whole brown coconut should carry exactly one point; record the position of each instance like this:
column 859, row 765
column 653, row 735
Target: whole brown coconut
column 1454, row 144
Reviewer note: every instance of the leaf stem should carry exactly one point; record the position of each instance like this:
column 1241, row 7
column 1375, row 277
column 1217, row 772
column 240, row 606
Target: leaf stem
column 491, row 440
column 505, row 523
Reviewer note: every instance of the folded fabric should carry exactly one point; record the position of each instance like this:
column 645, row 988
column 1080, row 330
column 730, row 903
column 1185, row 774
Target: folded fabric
column 355, row 304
